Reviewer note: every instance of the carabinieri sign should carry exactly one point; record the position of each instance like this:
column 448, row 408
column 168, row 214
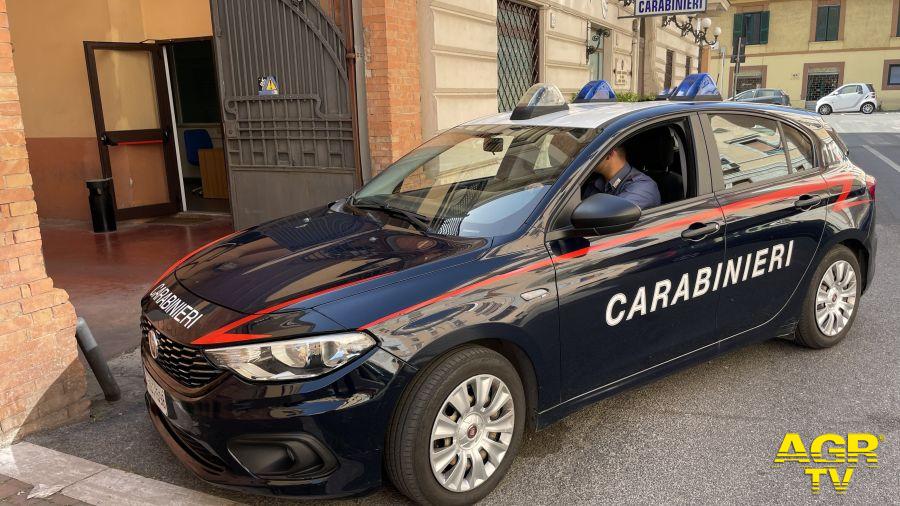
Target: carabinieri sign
column 644, row 8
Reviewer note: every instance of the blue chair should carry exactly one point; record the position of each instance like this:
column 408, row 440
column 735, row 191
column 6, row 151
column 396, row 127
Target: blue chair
column 195, row 140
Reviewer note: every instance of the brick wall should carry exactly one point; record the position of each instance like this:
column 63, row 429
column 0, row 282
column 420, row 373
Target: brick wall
column 392, row 79
column 42, row 382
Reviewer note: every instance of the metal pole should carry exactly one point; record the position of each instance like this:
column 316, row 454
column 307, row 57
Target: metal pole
column 95, row 360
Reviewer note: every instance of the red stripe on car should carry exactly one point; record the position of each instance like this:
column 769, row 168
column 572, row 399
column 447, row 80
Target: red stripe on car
column 627, row 238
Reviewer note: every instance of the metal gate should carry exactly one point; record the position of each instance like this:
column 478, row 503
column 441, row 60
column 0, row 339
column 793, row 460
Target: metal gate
column 517, row 52
column 287, row 104
column 820, row 83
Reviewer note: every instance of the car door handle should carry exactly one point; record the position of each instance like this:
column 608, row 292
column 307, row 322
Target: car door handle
column 698, row 231
column 808, row 201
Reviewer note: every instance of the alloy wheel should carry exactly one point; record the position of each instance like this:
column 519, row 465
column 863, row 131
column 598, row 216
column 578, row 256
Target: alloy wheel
column 825, row 110
column 472, row 433
column 868, row 108
column 836, row 298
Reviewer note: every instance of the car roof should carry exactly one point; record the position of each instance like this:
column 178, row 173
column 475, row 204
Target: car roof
column 593, row 115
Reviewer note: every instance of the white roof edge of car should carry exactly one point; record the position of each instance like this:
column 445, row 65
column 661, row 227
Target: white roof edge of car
column 588, row 115
column 592, row 115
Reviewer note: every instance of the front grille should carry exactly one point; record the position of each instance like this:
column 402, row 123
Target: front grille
column 185, row 364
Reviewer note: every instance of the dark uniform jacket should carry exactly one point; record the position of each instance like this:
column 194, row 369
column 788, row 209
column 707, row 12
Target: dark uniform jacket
column 629, row 183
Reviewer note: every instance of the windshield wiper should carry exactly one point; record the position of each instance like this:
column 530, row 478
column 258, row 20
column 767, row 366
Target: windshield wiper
column 411, row 217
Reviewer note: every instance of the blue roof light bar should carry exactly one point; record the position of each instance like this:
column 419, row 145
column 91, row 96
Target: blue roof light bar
column 696, row 87
column 595, row 91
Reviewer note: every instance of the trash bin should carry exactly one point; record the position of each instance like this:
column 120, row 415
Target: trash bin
column 100, row 198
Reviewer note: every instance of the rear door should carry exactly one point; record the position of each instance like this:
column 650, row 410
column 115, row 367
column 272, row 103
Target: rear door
column 773, row 198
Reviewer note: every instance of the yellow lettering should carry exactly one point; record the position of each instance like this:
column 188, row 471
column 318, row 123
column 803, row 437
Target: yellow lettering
column 820, row 456
column 862, row 445
column 840, row 484
column 792, row 449
column 815, row 476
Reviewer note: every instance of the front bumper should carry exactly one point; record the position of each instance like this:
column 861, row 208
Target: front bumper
column 322, row 437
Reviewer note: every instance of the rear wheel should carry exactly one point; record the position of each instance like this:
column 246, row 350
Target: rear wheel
column 457, row 428
column 868, row 108
column 831, row 300
column 825, row 110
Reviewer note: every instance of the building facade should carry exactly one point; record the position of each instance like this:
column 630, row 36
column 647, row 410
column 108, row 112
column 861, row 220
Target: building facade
column 354, row 86
column 810, row 47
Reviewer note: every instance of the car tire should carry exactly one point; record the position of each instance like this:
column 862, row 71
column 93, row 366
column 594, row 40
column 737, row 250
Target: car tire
column 414, row 443
column 825, row 110
column 867, row 108
column 838, row 279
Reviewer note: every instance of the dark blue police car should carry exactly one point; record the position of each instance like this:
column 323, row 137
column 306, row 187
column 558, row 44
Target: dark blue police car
column 416, row 329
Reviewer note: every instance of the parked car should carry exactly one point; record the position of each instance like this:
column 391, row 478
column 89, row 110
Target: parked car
column 413, row 330
column 849, row 98
column 764, row 96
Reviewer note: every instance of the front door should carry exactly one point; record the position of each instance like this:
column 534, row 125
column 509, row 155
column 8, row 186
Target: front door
column 288, row 104
column 848, row 98
column 773, row 199
column 632, row 300
column 134, row 127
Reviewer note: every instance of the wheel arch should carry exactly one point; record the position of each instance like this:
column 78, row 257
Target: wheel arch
column 538, row 372
column 862, row 256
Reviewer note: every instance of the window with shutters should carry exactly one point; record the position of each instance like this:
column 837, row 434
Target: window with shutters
column 828, row 20
column 752, row 26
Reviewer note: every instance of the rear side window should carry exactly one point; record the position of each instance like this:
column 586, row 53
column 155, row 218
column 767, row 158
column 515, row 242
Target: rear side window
column 799, row 147
column 750, row 149
column 766, row 93
column 834, row 149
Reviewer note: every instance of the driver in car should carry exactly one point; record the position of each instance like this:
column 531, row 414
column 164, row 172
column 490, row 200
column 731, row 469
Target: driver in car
column 615, row 176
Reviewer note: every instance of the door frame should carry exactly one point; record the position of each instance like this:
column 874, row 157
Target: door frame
column 164, row 135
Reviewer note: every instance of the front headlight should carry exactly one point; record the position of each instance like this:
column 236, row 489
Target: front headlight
column 294, row 359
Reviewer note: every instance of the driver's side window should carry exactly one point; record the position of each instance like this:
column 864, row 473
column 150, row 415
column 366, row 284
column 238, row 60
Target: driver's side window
column 660, row 156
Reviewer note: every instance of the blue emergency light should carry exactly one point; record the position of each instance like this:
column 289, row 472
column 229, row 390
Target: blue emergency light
column 595, row 91
column 696, row 87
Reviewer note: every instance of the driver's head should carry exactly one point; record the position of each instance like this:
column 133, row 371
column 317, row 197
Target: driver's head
column 612, row 162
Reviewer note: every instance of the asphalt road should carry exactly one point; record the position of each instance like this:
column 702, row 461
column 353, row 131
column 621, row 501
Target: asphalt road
column 706, row 434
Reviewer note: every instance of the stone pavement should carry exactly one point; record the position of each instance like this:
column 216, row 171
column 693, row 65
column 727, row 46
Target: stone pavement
column 31, row 474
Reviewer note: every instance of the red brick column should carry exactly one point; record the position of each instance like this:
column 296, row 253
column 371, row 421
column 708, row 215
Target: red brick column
column 392, row 79
column 42, row 382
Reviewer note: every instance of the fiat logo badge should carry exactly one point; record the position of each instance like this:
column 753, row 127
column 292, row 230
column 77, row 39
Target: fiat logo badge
column 153, row 342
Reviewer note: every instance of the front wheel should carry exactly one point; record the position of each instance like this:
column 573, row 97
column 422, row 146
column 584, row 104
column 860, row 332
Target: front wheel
column 825, row 110
column 831, row 301
column 457, row 428
column 868, row 108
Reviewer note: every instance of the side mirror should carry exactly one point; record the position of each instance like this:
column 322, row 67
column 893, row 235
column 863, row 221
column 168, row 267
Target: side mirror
column 604, row 214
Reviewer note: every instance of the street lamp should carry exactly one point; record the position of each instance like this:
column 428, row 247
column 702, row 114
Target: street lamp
column 687, row 27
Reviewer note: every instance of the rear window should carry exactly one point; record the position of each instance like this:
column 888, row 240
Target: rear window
column 871, row 88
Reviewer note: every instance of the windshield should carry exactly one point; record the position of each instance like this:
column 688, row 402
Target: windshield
column 475, row 181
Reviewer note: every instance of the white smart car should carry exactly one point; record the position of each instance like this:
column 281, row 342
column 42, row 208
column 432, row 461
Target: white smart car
column 849, row 98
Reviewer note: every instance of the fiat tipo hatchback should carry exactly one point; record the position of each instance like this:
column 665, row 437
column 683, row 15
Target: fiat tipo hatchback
column 485, row 284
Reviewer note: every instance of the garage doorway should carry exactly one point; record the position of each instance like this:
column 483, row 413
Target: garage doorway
column 198, row 125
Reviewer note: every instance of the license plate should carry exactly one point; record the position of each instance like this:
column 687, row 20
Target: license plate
column 156, row 393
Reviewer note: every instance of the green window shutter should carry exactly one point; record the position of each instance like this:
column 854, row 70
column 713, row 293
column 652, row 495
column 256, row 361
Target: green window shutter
column 822, row 23
column 764, row 28
column 834, row 21
column 736, row 29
